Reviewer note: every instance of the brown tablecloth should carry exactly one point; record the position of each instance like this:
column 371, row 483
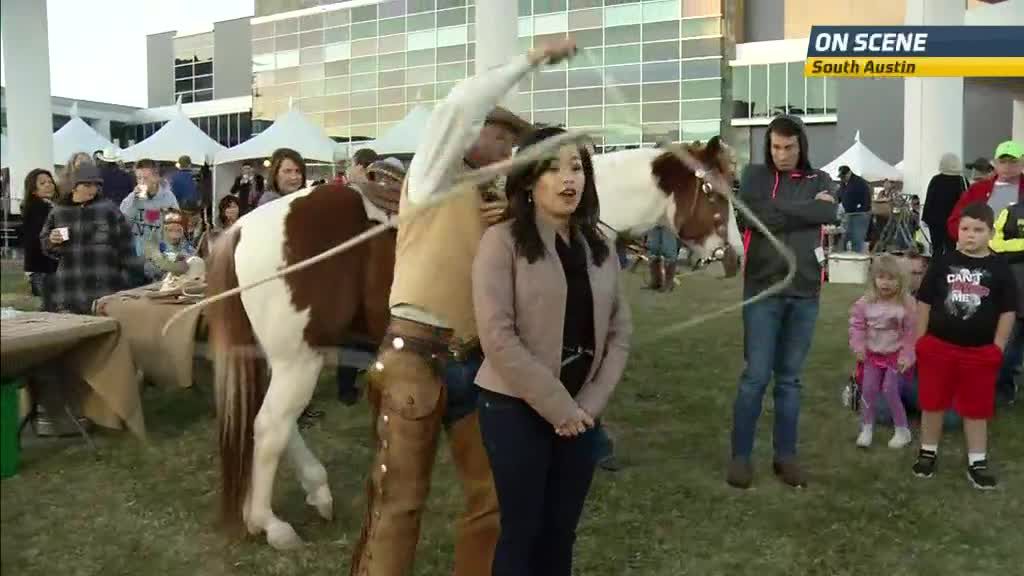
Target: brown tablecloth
column 142, row 312
column 92, row 347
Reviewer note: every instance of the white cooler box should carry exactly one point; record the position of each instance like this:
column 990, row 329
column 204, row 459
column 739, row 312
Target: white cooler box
column 848, row 268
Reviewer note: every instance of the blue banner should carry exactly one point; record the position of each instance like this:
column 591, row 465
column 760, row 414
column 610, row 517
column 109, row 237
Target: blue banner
column 916, row 41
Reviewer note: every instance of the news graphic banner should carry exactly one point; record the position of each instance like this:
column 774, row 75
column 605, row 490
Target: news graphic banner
column 897, row 51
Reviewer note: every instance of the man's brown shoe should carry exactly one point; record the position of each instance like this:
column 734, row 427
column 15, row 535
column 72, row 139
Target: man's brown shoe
column 740, row 475
column 789, row 472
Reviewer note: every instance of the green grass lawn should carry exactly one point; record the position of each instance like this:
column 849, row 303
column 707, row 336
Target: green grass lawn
column 152, row 509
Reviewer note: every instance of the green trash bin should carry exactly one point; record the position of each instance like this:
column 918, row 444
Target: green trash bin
column 9, row 423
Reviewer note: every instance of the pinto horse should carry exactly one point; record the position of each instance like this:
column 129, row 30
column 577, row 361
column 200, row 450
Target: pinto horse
column 285, row 324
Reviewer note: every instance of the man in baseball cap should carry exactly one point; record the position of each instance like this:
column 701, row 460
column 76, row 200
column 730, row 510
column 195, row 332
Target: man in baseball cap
column 998, row 191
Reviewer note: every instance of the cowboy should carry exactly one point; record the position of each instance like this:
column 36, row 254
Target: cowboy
column 423, row 377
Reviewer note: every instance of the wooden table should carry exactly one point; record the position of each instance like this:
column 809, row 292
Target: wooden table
column 92, row 347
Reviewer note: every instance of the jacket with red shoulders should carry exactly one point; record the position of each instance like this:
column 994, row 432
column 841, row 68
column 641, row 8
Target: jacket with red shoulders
column 980, row 191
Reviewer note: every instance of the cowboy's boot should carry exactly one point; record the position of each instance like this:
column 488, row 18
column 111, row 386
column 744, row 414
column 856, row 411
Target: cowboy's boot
column 670, row 276
column 407, row 402
column 657, row 271
column 731, row 262
column 476, row 533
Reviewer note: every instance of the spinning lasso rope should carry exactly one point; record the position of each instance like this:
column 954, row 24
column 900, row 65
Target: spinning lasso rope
column 539, row 151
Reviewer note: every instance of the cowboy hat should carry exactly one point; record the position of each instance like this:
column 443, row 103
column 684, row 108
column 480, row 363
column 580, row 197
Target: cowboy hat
column 510, row 120
column 108, row 154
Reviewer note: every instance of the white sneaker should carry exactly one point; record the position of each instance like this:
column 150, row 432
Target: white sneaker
column 864, row 438
column 900, row 438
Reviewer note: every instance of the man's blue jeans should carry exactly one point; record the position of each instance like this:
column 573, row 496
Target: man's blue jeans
column 662, row 241
column 856, row 231
column 1012, row 357
column 777, row 334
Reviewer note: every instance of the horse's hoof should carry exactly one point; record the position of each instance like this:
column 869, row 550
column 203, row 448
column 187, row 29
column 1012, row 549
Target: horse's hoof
column 323, row 502
column 281, row 536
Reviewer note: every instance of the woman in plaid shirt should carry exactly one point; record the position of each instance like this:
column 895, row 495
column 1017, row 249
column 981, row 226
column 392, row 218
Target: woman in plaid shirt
column 90, row 238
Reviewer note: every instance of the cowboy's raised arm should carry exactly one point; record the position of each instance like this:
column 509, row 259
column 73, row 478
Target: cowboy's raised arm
column 457, row 120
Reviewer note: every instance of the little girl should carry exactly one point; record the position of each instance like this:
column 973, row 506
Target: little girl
column 882, row 336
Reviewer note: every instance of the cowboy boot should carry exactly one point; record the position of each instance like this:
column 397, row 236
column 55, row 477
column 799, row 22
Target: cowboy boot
column 669, row 283
column 476, row 532
column 731, row 262
column 656, row 274
column 407, row 399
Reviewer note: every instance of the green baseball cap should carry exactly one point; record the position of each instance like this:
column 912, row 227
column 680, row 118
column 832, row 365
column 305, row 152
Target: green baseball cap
column 1009, row 148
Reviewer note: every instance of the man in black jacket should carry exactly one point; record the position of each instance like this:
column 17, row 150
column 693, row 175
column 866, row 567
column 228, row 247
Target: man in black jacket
column 855, row 194
column 793, row 201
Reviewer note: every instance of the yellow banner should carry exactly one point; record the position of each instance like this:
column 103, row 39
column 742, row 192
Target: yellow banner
column 864, row 67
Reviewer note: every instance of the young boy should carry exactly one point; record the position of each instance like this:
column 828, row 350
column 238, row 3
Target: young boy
column 967, row 305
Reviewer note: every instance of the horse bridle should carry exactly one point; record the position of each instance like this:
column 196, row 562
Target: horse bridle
column 708, row 189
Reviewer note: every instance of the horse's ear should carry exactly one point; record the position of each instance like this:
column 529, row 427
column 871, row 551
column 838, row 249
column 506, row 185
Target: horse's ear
column 713, row 147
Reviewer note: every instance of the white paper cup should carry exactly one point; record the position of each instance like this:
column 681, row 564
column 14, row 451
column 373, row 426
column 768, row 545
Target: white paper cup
column 64, row 233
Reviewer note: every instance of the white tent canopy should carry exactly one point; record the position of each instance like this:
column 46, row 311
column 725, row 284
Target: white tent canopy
column 863, row 162
column 176, row 138
column 404, row 137
column 291, row 130
column 77, row 136
column 899, row 166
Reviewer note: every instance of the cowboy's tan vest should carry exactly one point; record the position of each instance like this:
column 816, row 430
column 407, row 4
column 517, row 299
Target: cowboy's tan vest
column 434, row 260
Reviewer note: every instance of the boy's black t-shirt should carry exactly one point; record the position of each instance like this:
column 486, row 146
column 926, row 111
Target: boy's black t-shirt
column 967, row 295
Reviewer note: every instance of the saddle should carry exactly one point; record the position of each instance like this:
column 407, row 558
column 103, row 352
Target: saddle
column 380, row 202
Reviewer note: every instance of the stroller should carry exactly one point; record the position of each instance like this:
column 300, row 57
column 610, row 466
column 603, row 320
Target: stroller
column 851, row 394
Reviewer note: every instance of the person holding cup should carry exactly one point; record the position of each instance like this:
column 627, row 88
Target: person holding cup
column 92, row 242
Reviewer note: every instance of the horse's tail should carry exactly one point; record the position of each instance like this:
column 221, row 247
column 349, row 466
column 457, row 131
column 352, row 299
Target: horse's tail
column 240, row 378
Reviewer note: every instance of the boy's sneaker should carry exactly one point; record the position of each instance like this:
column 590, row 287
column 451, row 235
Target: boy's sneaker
column 980, row 477
column 925, row 465
column 900, row 438
column 865, row 436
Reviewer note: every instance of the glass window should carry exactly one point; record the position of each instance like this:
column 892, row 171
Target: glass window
column 311, row 72
column 391, row 8
column 661, row 51
column 525, row 83
column 710, row 68
column 550, row 99
column 628, row 14
column 364, row 65
column 621, row 34
column 288, row 58
column 661, row 133
column 184, row 71
column 661, row 91
column 422, row 40
column 420, row 57
column 392, row 26
column 576, row 4
column 548, row 6
column 525, row 7
column 451, row 36
column 363, row 99
column 549, row 80
column 339, row 118
column 662, row 71
column 701, row 47
column 364, row 82
column 831, row 95
column 391, row 43
column 183, row 85
column 701, row 27
column 337, row 18
column 391, row 61
column 392, row 113
column 420, row 6
column 203, row 68
column 550, row 117
column 701, row 7
column 585, row 77
column 337, row 102
column 290, row 42
column 203, row 96
column 442, row 4
column 759, row 90
column 815, row 96
column 451, row 17
column 341, row 51
column 623, row 94
column 622, row 74
column 364, row 47
column 339, row 68
column 364, row 30
column 289, row 26
column 585, row 97
column 332, row 35
column 263, row 46
column 451, row 72
column 623, row 136
column 364, row 13
column 659, row 11
column 701, row 109
column 593, row 116
column 741, row 92
column 285, row 75
column 443, row 88
column 393, row 78
column 311, row 55
column 336, row 85
column 263, row 79
column 629, row 114
column 423, row 75
column 391, row 96
column 309, row 89
column 261, row 62
column 703, row 131
column 364, row 115
column 587, row 57
column 311, row 22
column 422, row 93
column 586, row 19
column 661, row 31
column 698, row 89
column 451, row 54
column 204, row 82
column 622, row 54
column 265, row 30
column 777, row 89
column 420, row 22
column 551, row 23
